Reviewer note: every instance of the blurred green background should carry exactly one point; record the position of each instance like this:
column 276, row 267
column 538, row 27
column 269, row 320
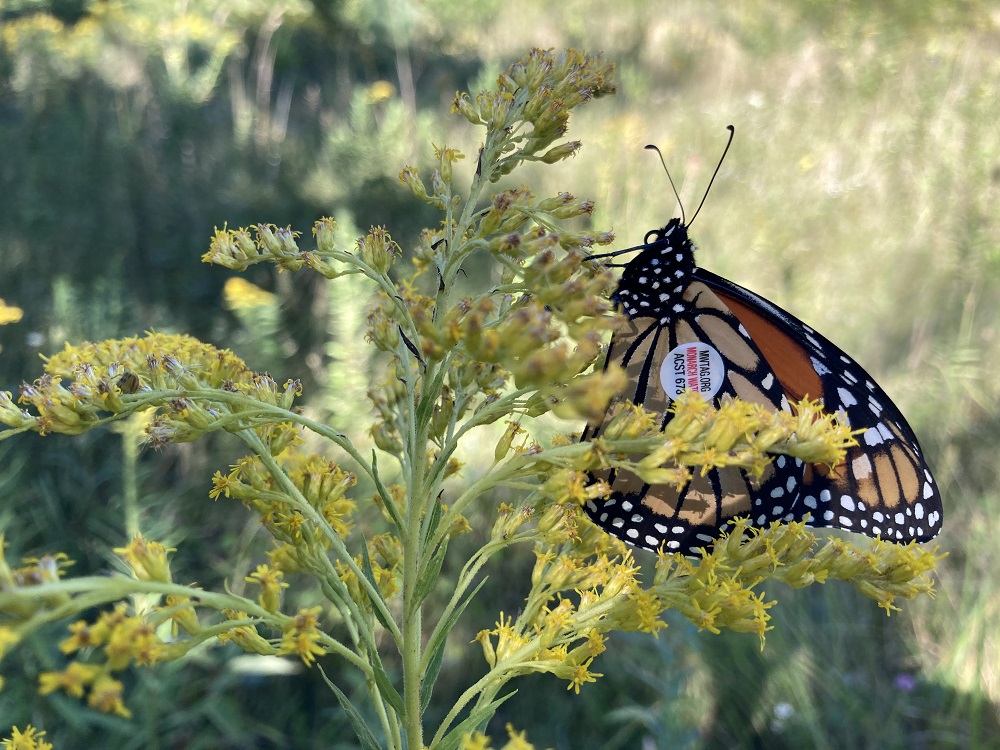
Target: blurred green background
column 861, row 193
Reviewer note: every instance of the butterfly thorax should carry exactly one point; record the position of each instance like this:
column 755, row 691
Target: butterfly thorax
column 653, row 283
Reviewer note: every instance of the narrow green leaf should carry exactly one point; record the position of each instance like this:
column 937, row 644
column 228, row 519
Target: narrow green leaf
column 431, row 675
column 385, row 686
column 432, row 520
column 480, row 716
column 431, row 573
column 425, row 409
column 435, row 646
column 365, row 735
column 383, row 492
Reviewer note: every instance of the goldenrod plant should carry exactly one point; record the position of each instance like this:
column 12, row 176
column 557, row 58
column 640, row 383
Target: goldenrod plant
column 528, row 345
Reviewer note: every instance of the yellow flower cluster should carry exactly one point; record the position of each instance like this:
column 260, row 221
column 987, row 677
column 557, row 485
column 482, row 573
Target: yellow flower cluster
column 585, row 584
column 699, row 437
column 90, row 383
column 318, row 481
column 539, row 89
column 238, row 249
column 35, row 571
column 543, row 325
column 716, row 591
column 83, row 45
column 735, row 433
column 479, row 741
column 302, row 636
column 543, row 328
column 124, row 641
column 29, row 739
column 384, row 558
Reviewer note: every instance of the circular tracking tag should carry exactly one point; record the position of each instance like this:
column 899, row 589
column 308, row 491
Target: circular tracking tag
column 696, row 366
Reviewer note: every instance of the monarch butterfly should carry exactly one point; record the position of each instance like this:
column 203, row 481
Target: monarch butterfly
column 684, row 321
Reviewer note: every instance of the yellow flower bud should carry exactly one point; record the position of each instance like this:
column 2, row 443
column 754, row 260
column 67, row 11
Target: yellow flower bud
column 488, row 651
column 386, row 440
column 463, row 105
column 147, row 559
column 410, row 176
column 323, row 231
column 378, row 250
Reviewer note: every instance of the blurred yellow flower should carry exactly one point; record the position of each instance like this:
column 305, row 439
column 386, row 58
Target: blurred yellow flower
column 380, row 91
column 240, row 294
column 29, row 739
column 9, row 313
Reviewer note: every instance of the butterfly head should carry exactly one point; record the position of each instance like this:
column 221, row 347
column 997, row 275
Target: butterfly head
column 653, row 283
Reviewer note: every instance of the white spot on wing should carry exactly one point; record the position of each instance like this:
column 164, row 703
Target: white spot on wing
column 872, row 437
column 846, row 397
column 819, row 367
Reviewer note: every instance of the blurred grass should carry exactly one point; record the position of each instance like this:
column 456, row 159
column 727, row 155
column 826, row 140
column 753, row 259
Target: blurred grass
column 861, row 194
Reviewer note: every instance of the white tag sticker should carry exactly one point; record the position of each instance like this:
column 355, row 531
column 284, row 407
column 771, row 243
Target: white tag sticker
column 696, row 367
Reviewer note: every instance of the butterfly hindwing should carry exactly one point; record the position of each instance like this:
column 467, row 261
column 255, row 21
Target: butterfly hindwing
column 883, row 487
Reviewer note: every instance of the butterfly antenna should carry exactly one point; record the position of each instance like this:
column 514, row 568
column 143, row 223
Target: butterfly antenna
column 732, row 132
column 671, row 179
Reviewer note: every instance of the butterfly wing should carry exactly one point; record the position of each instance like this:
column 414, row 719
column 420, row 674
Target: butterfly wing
column 703, row 340
column 883, row 487
column 689, row 328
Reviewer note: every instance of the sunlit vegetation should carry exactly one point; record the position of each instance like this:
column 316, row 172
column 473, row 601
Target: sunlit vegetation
column 860, row 193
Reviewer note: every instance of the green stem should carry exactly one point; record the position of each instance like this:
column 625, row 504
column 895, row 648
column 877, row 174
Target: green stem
column 412, row 674
column 415, row 451
column 303, row 506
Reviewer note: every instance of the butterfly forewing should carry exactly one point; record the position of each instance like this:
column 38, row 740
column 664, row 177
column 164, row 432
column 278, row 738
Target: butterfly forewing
column 688, row 328
column 653, row 354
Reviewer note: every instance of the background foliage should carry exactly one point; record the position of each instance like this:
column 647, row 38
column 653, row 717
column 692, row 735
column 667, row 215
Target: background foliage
column 860, row 194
